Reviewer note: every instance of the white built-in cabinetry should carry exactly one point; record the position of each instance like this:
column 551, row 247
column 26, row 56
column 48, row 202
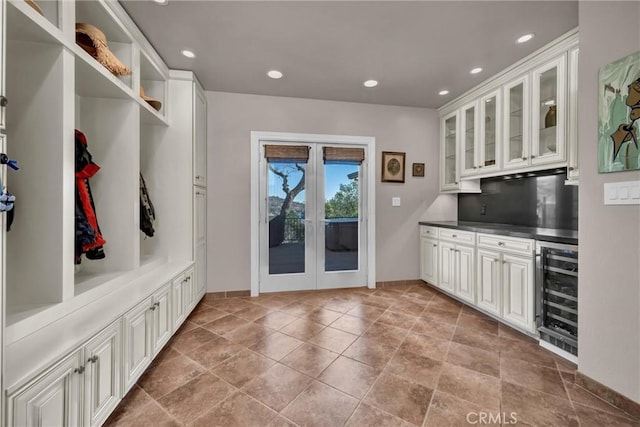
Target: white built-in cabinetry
column 77, row 337
column 521, row 120
column 491, row 272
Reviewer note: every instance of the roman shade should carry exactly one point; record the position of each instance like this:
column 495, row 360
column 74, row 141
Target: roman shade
column 287, row 153
column 340, row 154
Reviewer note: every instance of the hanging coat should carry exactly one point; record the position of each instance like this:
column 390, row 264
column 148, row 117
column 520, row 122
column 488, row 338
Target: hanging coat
column 147, row 211
column 88, row 237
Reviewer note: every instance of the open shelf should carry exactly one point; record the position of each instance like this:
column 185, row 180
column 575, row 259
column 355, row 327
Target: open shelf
column 93, row 80
column 118, row 39
column 154, row 82
column 24, row 23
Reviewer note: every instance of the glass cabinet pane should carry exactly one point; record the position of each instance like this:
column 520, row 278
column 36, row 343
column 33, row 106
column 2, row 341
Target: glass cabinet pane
column 450, row 150
column 490, row 131
column 516, row 122
column 547, row 109
column 469, row 138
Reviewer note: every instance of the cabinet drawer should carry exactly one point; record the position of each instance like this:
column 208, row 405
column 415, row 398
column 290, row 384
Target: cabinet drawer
column 505, row 243
column 428, row 231
column 458, row 236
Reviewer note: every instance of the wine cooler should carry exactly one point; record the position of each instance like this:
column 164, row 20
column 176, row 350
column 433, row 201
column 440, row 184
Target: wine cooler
column 557, row 295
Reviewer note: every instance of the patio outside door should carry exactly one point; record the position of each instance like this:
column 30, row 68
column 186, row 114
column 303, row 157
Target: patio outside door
column 312, row 228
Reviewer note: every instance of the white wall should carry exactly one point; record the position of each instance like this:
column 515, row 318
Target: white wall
column 231, row 119
column 609, row 236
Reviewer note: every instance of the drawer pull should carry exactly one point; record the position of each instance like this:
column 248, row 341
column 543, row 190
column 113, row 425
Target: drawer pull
column 496, row 260
column 500, row 243
column 79, row 370
column 434, row 245
column 454, row 235
column 93, row 359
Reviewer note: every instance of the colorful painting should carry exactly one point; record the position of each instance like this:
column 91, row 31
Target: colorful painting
column 619, row 115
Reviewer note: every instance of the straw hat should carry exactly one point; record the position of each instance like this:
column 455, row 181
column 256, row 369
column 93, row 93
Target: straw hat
column 94, row 42
column 35, row 6
column 151, row 101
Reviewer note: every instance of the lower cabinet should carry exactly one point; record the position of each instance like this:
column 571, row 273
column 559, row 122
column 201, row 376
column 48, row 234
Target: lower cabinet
column 84, row 387
column 429, row 260
column 489, row 279
column 517, row 284
column 457, row 270
column 162, row 318
column 102, row 374
column 137, row 342
column 52, row 399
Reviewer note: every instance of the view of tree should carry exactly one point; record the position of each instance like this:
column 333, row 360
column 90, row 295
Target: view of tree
column 344, row 204
column 276, row 225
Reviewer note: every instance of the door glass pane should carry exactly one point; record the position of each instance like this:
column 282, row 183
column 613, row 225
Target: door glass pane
column 469, row 138
column 450, row 150
column 286, row 202
column 342, row 206
column 516, row 122
column 490, row 127
column 547, row 111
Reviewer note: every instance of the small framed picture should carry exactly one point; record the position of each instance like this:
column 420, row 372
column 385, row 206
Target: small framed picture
column 418, row 169
column 392, row 166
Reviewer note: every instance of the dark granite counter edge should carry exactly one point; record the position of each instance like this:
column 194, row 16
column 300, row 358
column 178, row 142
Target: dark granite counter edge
column 558, row 236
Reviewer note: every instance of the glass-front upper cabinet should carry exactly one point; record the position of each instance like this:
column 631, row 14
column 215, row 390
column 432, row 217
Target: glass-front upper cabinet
column 468, row 149
column 489, row 152
column 449, row 138
column 516, row 124
column 548, row 116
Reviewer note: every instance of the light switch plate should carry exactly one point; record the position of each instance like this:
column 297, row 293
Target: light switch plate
column 622, row 193
column 395, row 201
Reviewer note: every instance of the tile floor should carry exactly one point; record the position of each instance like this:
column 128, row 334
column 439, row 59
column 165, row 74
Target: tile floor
column 404, row 355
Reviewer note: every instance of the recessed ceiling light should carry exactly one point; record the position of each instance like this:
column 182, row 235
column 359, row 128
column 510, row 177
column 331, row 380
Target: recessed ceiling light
column 188, row 53
column 371, row 83
column 274, row 74
column 443, row 92
column 161, row 2
column 476, row 70
column 525, row 38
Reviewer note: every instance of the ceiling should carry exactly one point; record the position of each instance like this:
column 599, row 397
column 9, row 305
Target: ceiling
column 327, row 49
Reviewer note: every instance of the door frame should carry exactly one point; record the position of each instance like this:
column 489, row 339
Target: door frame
column 256, row 138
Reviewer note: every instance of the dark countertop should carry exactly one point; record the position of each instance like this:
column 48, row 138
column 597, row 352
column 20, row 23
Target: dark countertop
column 545, row 234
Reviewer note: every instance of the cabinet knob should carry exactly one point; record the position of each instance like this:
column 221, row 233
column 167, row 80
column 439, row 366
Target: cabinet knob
column 571, row 168
column 480, row 166
column 533, row 157
column 475, row 167
column 93, row 359
column 153, row 307
column 524, row 158
column 454, row 235
column 456, row 182
column 496, row 260
column 504, row 262
column 434, row 245
column 500, row 243
column 157, row 304
column 79, row 370
column 451, row 249
column 3, row 101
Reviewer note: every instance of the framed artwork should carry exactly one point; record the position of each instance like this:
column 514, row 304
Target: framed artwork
column 418, row 169
column 392, row 166
column 619, row 115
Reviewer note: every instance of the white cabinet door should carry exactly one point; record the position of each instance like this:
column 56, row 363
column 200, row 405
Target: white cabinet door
column 200, row 137
column 52, row 399
column 162, row 319
column 178, row 311
column 517, row 282
column 447, row 266
column 465, row 273
column 515, row 120
column 468, row 153
column 488, row 281
column 429, row 261
column 490, row 146
column 188, row 295
column 448, row 156
column 3, row 92
column 103, row 374
column 549, row 112
column 200, row 241
column 573, row 173
column 137, row 342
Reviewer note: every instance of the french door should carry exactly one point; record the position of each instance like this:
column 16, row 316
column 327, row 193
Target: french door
column 313, row 212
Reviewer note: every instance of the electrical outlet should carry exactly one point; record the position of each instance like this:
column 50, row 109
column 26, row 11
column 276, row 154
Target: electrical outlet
column 395, row 201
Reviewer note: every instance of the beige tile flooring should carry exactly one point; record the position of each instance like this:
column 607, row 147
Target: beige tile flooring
column 398, row 356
